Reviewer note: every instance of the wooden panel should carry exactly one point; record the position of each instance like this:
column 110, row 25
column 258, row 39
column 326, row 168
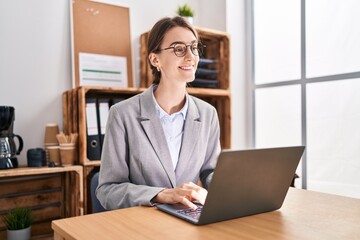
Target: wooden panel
column 70, row 111
column 65, row 113
column 43, row 194
column 44, row 191
column 41, row 228
column 74, row 113
column 13, row 186
column 30, row 200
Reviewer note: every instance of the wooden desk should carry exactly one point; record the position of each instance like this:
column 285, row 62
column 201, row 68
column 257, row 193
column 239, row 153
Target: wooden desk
column 304, row 215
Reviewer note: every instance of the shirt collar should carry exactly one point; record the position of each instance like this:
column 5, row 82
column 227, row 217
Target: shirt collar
column 161, row 111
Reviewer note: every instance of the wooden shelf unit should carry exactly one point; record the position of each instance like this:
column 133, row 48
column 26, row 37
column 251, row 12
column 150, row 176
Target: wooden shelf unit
column 51, row 193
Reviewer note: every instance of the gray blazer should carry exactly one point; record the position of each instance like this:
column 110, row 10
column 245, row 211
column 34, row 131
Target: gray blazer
column 136, row 163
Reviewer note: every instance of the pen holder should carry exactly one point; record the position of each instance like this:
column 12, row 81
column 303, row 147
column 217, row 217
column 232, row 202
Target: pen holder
column 68, row 154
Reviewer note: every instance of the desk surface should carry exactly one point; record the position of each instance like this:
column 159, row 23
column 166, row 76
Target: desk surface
column 304, row 215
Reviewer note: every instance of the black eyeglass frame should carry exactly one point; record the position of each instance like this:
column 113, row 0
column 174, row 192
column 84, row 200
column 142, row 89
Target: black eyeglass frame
column 199, row 51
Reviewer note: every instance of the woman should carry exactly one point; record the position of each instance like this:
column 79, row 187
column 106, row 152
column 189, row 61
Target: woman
column 159, row 143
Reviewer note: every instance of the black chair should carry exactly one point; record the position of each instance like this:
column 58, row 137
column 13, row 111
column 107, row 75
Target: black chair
column 96, row 206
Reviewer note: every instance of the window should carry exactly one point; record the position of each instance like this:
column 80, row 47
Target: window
column 306, row 80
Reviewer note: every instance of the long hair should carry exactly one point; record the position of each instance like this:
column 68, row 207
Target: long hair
column 156, row 37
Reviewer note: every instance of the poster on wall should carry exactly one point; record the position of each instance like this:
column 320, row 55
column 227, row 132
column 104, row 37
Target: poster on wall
column 102, row 70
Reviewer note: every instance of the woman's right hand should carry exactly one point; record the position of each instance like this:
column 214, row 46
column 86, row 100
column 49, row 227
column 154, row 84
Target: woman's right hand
column 184, row 194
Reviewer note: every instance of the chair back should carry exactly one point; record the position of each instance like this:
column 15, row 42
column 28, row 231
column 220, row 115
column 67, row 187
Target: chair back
column 96, row 206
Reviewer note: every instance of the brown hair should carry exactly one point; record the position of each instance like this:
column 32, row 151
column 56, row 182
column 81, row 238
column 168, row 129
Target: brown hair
column 157, row 34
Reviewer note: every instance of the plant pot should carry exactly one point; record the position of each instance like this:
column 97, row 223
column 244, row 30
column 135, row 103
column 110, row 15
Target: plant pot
column 22, row 234
column 189, row 19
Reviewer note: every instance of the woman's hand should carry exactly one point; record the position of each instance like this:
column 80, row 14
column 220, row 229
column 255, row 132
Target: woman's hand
column 184, row 194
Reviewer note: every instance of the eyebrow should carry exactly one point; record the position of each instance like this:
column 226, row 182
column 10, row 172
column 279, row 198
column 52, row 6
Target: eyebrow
column 177, row 42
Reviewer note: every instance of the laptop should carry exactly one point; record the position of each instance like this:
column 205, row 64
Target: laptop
column 245, row 182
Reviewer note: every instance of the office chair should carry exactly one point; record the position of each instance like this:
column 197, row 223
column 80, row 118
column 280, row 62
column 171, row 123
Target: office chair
column 96, row 206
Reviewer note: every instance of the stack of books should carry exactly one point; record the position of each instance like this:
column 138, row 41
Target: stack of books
column 206, row 74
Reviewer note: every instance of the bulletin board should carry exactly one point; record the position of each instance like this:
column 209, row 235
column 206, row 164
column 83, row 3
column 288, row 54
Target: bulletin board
column 100, row 28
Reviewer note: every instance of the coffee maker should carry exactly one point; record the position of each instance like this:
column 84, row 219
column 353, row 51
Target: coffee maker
column 8, row 149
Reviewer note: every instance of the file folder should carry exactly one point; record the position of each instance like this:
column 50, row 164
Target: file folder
column 103, row 113
column 116, row 100
column 92, row 130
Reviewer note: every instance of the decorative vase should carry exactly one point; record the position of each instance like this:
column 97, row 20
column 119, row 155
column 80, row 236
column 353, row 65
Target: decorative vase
column 22, row 234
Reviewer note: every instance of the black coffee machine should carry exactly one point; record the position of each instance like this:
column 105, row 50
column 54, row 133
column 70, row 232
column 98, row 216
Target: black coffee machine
column 8, row 149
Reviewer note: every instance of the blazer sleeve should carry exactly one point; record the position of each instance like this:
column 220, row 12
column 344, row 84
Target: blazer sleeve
column 115, row 189
column 213, row 150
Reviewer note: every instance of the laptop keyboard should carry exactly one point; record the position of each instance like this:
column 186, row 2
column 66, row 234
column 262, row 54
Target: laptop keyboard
column 191, row 212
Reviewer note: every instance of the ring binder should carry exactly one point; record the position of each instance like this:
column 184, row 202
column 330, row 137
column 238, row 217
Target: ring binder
column 92, row 130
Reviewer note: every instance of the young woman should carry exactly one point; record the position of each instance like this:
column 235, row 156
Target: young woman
column 159, row 143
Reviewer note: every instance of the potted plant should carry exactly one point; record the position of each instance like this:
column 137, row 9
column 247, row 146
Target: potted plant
column 186, row 11
column 18, row 223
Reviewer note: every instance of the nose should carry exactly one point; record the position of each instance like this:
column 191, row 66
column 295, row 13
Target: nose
column 189, row 53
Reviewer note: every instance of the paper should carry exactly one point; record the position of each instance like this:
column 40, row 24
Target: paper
column 102, row 70
column 91, row 118
column 104, row 113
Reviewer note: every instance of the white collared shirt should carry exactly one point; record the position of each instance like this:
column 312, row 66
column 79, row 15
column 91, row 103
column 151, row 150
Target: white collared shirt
column 173, row 126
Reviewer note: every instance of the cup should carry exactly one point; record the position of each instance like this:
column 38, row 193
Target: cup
column 51, row 130
column 36, row 157
column 53, row 155
column 68, row 154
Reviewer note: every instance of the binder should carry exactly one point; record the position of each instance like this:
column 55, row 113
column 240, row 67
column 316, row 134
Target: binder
column 115, row 101
column 204, row 83
column 102, row 113
column 206, row 73
column 92, row 130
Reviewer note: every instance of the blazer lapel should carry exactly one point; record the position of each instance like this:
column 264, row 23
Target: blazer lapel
column 152, row 126
column 191, row 134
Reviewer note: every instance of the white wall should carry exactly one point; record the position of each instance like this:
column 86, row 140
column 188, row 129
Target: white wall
column 35, row 57
column 34, row 65
column 239, row 74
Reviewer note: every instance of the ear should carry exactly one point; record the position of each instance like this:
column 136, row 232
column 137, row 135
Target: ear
column 153, row 59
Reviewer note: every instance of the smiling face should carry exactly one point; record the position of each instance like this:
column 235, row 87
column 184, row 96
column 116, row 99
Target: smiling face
column 173, row 68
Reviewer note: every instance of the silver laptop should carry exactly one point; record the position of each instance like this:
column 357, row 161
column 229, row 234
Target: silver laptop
column 245, row 182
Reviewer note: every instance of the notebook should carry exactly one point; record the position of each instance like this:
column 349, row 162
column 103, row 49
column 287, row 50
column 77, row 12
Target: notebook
column 245, row 182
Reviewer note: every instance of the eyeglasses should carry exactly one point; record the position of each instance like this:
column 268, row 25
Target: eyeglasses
column 181, row 48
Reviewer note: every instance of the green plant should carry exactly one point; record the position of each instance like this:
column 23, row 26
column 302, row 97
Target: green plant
column 18, row 218
column 185, row 11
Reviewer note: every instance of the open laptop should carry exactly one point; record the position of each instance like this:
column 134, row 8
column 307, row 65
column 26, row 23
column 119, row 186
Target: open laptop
column 245, row 182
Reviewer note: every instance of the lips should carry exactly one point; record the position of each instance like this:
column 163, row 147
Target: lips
column 187, row 67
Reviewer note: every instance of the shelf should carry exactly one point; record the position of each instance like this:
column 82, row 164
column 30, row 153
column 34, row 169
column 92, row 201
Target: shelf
column 51, row 193
column 206, row 92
